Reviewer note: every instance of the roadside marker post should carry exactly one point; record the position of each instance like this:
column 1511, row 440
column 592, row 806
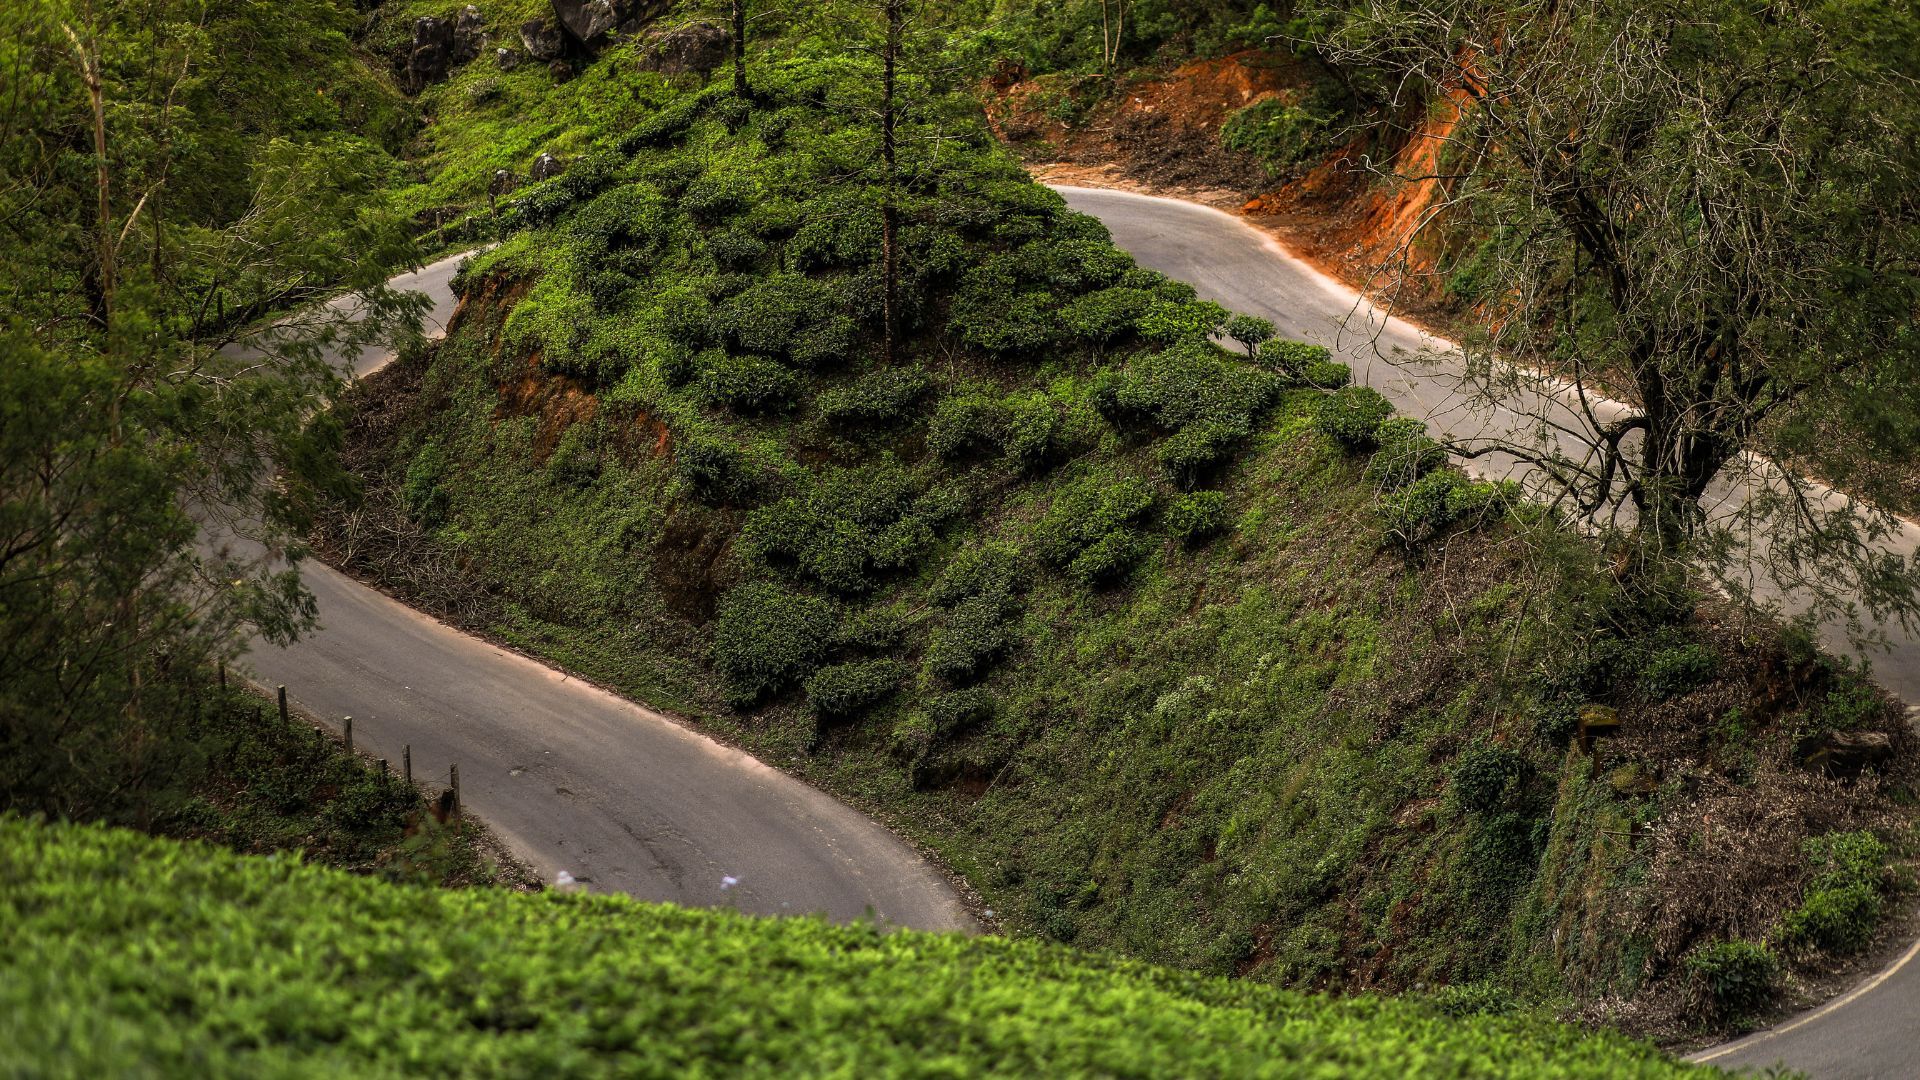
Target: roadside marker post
column 349, row 734
column 283, row 704
column 456, row 791
column 406, row 763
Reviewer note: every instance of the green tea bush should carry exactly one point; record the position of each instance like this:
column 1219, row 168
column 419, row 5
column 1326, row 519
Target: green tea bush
column 1291, row 360
column 1173, row 322
column 1677, row 669
column 1352, row 417
column 977, row 631
column 1191, row 455
column 173, row 958
column 1088, row 530
column 1488, row 777
column 997, row 311
column 964, row 423
column 993, row 569
column 1283, row 134
column 1196, row 516
column 766, row 638
column 881, row 398
column 1405, row 454
column 773, row 314
column 1030, row 431
column 853, row 526
column 1440, row 500
column 1735, row 978
column 750, row 385
column 1326, row 374
column 846, row 689
column 1249, row 331
column 1843, row 903
column 1105, row 316
column 713, row 467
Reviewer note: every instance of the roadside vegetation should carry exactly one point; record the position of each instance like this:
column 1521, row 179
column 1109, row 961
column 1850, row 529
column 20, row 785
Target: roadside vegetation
column 129, row 954
column 1184, row 650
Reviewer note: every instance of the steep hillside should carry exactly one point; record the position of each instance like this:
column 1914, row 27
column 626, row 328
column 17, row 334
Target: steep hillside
column 121, row 954
column 1167, row 651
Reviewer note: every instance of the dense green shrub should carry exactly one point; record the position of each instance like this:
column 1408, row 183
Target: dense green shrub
column 1192, row 454
column 174, row 960
column 1488, row 777
column 1678, row 669
column 845, row 689
column 743, row 383
column 1291, row 360
column 716, row 469
column 1441, row 499
column 977, row 631
column 1088, row 530
column 1326, row 374
column 1249, row 331
column 1196, row 516
column 1405, row 454
column 850, row 527
column 423, row 495
column 994, row 568
column 1735, row 977
column 766, row 638
column 1352, row 416
column 1173, row 322
column 1283, row 134
column 879, row 398
column 963, row 423
column 1844, row 901
column 1104, row 316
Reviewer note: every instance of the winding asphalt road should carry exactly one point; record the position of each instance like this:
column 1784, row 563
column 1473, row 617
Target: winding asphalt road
column 1874, row 1030
column 573, row 778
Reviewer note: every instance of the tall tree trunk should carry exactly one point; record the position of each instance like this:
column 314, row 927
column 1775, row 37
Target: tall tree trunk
column 740, row 48
column 87, row 57
column 889, row 158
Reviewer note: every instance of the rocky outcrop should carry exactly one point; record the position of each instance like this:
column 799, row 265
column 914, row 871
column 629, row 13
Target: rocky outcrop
column 508, row 59
column 543, row 40
column 440, row 45
column 546, row 167
column 587, row 22
column 697, row 48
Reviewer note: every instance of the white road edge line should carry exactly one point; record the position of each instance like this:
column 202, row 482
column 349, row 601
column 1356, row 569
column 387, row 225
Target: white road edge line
column 1844, row 999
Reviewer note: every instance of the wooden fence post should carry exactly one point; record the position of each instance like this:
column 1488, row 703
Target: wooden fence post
column 283, row 704
column 456, row 791
column 349, row 734
column 406, row 762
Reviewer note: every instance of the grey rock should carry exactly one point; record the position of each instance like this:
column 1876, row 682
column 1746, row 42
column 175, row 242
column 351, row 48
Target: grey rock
column 543, row 40
column 545, row 167
column 508, row 59
column 560, row 70
column 469, row 34
column 699, row 48
column 587, row 21
column 504, row 181
column 431, row 55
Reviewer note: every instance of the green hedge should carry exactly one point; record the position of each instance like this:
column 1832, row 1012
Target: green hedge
column 121, row 955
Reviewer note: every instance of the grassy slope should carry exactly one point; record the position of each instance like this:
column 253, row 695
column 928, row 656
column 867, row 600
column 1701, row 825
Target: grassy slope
column 123, row 955
column 1243, row 756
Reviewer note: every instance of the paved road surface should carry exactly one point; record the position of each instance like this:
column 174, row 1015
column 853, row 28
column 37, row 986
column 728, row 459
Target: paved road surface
column 575, row 779
column 1872, row 1032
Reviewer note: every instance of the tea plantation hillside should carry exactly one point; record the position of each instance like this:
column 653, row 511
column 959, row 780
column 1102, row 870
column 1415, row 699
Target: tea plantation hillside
column 1182, row 649
column 122, row 955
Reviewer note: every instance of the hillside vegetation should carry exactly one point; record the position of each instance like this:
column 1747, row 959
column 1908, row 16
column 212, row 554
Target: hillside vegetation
column 1172, row 648
column 126, row 955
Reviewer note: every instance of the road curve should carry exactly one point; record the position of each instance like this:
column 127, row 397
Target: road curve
column 574, row 778
column 1866, row 1033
